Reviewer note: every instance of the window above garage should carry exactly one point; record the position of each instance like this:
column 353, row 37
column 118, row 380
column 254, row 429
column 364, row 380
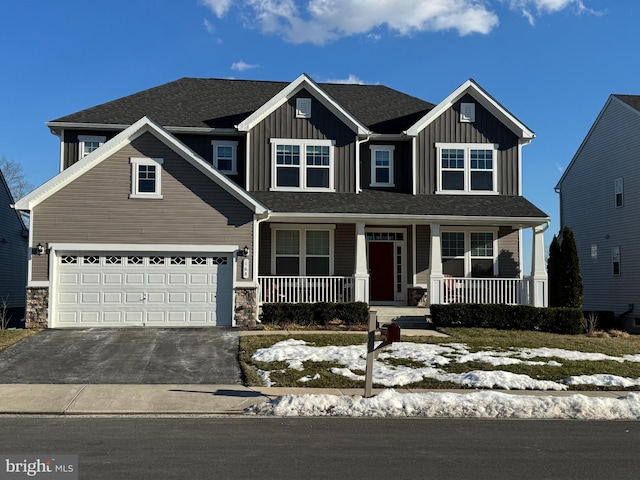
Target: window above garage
column 146, row 177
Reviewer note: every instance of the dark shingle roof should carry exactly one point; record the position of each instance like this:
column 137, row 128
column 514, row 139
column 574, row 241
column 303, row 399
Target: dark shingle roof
column 393, row 203
column 219, row 103
column 633, row 100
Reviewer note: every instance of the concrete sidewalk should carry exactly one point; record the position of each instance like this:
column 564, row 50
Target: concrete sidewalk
column 177, row 399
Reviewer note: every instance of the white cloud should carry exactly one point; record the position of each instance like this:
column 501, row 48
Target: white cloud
column 209, row 26
column 322, row 21
column 527, row 7
column 351, row 80
column 219, row 7
column 242, row 66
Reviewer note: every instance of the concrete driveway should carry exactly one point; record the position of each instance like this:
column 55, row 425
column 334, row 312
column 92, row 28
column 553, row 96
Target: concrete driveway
column 124, row 356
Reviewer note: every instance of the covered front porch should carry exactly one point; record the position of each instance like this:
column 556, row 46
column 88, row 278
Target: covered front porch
column 410, row 260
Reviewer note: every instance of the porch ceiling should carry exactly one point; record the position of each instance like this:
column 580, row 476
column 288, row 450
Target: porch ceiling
column 372, row 204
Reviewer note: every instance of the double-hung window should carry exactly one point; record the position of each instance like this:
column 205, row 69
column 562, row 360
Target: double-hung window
column 382, row 165
column 146, row 177
column 302, row 164
column 88, row 143
column 301, row 251
column 467, row 168
column 469, row 254
column 619, row 188
column 225, row 156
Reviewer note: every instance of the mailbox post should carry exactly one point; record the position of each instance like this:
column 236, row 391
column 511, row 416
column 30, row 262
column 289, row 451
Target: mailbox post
column 390, row 333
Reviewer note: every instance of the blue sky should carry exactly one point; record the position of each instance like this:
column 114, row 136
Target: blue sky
column 552, row 63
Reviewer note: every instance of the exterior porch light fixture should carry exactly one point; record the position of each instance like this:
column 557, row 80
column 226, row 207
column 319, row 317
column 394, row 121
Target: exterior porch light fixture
column 245, row 251
column 40, row 249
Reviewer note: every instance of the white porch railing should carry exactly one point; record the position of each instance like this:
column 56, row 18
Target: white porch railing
column 509, row 291
column 305, row 289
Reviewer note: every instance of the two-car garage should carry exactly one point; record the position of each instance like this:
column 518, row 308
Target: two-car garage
column 134, row 287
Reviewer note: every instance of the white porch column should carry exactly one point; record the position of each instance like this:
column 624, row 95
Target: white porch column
column 435, row 262
column 539, row 294
column 361, row 276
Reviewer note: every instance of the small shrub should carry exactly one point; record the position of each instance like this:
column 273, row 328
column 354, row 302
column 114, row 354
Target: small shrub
column 508, row 317
column 312, row 314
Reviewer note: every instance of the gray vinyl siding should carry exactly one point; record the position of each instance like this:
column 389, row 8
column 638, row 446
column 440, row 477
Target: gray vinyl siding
column 13, row 253
column 401, row 166
column 323, row 125
column 71, row 145
column 508, row 252
column 96, row 208
column 447, row 128
column 588, row 208
column 423, row 253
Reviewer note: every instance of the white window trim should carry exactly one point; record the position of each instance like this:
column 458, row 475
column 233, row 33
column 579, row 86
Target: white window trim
column 303, row 164
column 135, row 163
column 82, row 139
column 234, row 155
column 467, row 147
column 384, row 148
column 467, row 112
column 467, row 246
column 302, row 255
column 619, row 190
column 615, row 258
column 303, row 107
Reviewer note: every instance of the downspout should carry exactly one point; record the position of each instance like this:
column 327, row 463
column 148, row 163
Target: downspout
column 358, row 145
column 256, row 249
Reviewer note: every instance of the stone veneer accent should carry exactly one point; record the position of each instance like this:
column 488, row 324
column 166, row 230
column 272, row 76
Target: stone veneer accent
column 37, row 307
column 418, row 297
column 246, row 313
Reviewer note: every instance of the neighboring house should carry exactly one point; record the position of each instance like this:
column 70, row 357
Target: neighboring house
column 13, row 259
column 600, row 201
column 193, row 202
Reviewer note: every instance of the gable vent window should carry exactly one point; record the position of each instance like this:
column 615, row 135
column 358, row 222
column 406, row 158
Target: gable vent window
column 467, row 112
column 619, row 192
column 303, row 108
column 146, row 177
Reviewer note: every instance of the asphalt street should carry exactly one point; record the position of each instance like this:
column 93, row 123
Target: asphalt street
column 330, row 448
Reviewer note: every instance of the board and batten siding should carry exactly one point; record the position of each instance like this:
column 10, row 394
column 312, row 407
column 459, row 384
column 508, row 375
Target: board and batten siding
column 402, row 158
column 587, row 203
column 323, row 125
column 447, row 128
column 96, row 208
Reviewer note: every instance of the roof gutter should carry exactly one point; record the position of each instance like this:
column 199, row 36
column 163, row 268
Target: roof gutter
column 56, row 127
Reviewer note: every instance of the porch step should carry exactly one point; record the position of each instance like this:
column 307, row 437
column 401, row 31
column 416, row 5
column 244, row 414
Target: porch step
column 405, row 317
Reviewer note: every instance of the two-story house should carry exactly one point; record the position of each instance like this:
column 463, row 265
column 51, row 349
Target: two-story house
column 13, row 260
column 600, row 201
column 193, row 202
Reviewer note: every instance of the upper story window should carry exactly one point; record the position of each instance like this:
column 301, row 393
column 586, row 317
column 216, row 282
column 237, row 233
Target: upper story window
column 303, row 108
column 89, row 143
column 382, row 165
column 615, row 261
column 467, row 112
column 302, row 164
column 619, row 188
column 225, row 156
column 467, row 168
column 469, row 254
column 146, row 177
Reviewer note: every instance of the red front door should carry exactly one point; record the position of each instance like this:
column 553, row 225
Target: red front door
column 381, row 271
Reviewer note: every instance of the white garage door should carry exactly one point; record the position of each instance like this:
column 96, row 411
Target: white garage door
column 164, row 290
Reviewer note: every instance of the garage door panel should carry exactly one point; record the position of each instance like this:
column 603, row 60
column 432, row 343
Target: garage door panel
column 131, row 289
column 87, row 298
column 134, row 278
column 90, row 278
column 113, row 279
